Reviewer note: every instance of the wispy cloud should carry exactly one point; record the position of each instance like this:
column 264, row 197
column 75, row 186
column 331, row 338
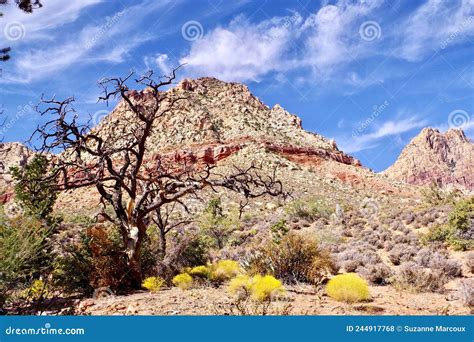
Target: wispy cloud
column 370, row 140
column 90, row 44
column 435, row 25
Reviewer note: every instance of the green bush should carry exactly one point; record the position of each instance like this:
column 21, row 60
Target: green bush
column 25, row 252
column 459, row 232
column 218, row 225
column 308, row 209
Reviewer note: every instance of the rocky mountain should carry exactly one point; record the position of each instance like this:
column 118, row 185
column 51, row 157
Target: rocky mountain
column 432, row 156
column 11, row 154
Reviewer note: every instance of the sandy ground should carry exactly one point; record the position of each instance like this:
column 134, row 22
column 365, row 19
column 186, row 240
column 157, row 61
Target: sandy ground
column 301, row 300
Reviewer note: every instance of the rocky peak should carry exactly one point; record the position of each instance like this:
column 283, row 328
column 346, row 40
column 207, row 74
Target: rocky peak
column 211, row 113
column 11, row 154
column 433, row 156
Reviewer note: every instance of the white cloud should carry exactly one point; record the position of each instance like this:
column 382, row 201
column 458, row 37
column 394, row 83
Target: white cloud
column 160, row 61
column 435, row 25
column 102, row 42
column 243, row 51
column 246, row 51
column 389, row 128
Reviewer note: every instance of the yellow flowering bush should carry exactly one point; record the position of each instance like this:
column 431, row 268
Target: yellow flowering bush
column 200, row 271
column 36, row 291
column 259, row 288
column 225, row 270
column 183, row 281
column 264, row 288
column 349, row 288
column 153, row 284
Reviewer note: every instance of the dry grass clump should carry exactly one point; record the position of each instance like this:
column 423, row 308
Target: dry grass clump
column 438, row 260
column 470, row 262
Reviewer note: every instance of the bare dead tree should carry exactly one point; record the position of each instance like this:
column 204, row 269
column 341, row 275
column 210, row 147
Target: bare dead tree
column 135, row 187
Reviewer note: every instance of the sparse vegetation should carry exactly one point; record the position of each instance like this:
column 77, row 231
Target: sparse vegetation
column 308, row 209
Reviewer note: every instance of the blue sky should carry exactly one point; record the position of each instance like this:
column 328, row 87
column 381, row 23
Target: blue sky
column 369, row 74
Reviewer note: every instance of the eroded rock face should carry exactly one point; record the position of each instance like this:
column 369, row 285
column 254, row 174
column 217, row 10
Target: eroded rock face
column 11, row 154
column 432, row 156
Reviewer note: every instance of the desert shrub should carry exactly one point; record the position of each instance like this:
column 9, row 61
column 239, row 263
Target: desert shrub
column 259, row 288
column 183, row 281
column 36, row 291
column 200, row 271
column 470, row 262
column 33, row 190
column 279, row 230
column 419, row 279
column 435, row 259
column 434, row 195
column 72, row 268
column 466, row 290
column 308, row 209
column 459, row 232
column 25, row 252
column 378, row 274
column 296, row 259
column 153, row 284
column 217, row 224
column 348, row 287
column 358, row 255
column 401, row 253
column 224, row 270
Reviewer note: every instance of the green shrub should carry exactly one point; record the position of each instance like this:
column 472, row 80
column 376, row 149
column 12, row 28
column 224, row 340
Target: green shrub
column 279, row 230
column 218, row 225
column 349, row 288
column 183, row 281
column 308, row 209
column 33, row 189
column 459, row 232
